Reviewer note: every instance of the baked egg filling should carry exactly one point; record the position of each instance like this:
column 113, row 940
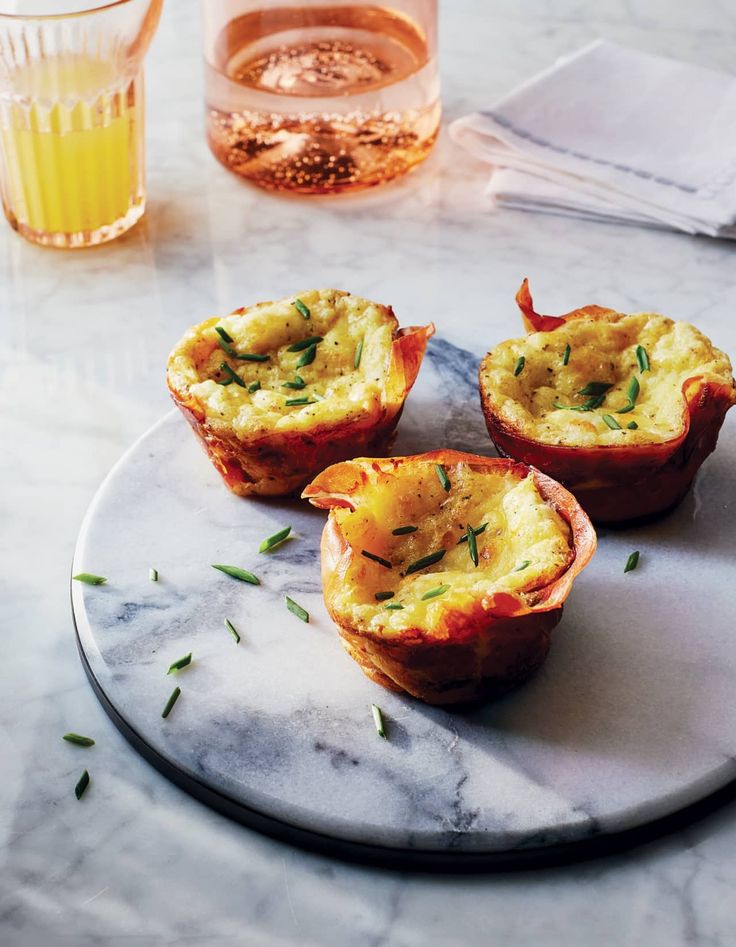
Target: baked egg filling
column 415, row 560
column 612, row 381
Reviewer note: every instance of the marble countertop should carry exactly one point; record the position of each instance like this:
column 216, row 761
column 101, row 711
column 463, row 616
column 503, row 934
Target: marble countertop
column 83, row 341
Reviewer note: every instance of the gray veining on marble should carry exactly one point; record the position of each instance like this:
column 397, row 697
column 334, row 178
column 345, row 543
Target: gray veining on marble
column 83, row 338
column 608, row 736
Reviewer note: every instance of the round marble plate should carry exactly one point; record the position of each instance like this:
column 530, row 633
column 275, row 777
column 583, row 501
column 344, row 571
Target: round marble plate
column 631, row 718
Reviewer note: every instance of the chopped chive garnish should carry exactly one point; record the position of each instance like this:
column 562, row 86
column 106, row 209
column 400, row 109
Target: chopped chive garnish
column 358, row 354
column 293, row 402
column 520, row 363
column 632, row 562
column 78, row 740
column 181, row 663
column 632, row 393
column 305, row 343
column 274, row 540
column 426, row 561
column 611, row 422
column 588, row 405
column 378, row 721
column 296, row 609
column 254, row 386
column 224, row 335
column 89, row 579
column 642, row 358
column 302, row 309
column 253, row 357
column 394, row 606
column 379, row 559
column 632, row 425
column 383, row 596
column 307, row 356
column 297, row 384
column 442, row 477
column 433, row 593
column 524, row 565
column 153, row 574
column 233, row 630
column 472, row 545
column 227, row 349
column 236, row 573
column 477, row 531
column 566, row 354
column 404, row 530
column 596, row 388
column 232, row 376
column 170, row 702
column 81, row 786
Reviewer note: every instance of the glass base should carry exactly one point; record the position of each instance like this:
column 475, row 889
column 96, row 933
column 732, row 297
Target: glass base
column 82, row 238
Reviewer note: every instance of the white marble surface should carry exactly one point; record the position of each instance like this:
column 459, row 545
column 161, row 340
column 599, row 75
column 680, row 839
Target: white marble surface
column 82, row 342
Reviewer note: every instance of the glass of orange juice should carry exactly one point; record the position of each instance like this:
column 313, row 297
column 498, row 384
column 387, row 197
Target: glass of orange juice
column 71, row 117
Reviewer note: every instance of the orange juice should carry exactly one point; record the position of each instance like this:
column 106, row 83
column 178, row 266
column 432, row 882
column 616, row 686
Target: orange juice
column 72, row 147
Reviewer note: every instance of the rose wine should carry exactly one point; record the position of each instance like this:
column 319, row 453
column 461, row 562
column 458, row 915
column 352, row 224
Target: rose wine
column 324, row 99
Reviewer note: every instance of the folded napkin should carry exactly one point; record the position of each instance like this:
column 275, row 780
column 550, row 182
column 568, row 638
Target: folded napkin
column 612, row 133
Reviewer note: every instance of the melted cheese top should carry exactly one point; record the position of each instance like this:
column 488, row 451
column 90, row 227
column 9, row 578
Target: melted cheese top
column 525, row 544
column 601, row 350
column 335, row 388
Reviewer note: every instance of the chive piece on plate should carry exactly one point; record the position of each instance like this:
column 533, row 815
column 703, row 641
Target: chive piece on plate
column 274, row 540
column 358, row 354
column 293, row 402
column 224, row 335
column 596, row 388
column 153, row 574
column 296, row 609
column 374, row 558
column 472, row 545
column 181, row 663
column 78, row 740
column 307, row 356
column 170, row 702
column 233, row 630
column 477, row 530
column 589, row 405
column 302, row 309
column 235, row 573
column 611, row 422
column 254, row 386
column 394, row 606
column 232, row 376
column 426, row 561
column 253, row 357
column 442, row 477
column 383, row 596
column 632, row 562
column 295, row 385
column 433, row 593
column 524, row 565
column 632, row 425
column 89, row 579
column 404, row 530
column 632, row 393
column 642, row 359
column 566, row 354
column 81, row 786
column 305, row 343
column 227, row 349
column 520, row 363
column 378, row 720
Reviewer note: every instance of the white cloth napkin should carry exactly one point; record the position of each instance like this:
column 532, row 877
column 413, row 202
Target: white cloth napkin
column 612, row 133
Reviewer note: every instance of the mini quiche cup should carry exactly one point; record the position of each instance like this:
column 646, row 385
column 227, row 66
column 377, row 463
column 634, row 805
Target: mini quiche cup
column 446, row 572
column 621, row 409
column 278, row 391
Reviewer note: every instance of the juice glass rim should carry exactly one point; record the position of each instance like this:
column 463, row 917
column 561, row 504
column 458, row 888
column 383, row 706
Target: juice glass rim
column 98, row 8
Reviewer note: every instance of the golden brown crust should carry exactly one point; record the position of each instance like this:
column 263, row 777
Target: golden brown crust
column 279, row 463
column 477, row 653
column 617, row 483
